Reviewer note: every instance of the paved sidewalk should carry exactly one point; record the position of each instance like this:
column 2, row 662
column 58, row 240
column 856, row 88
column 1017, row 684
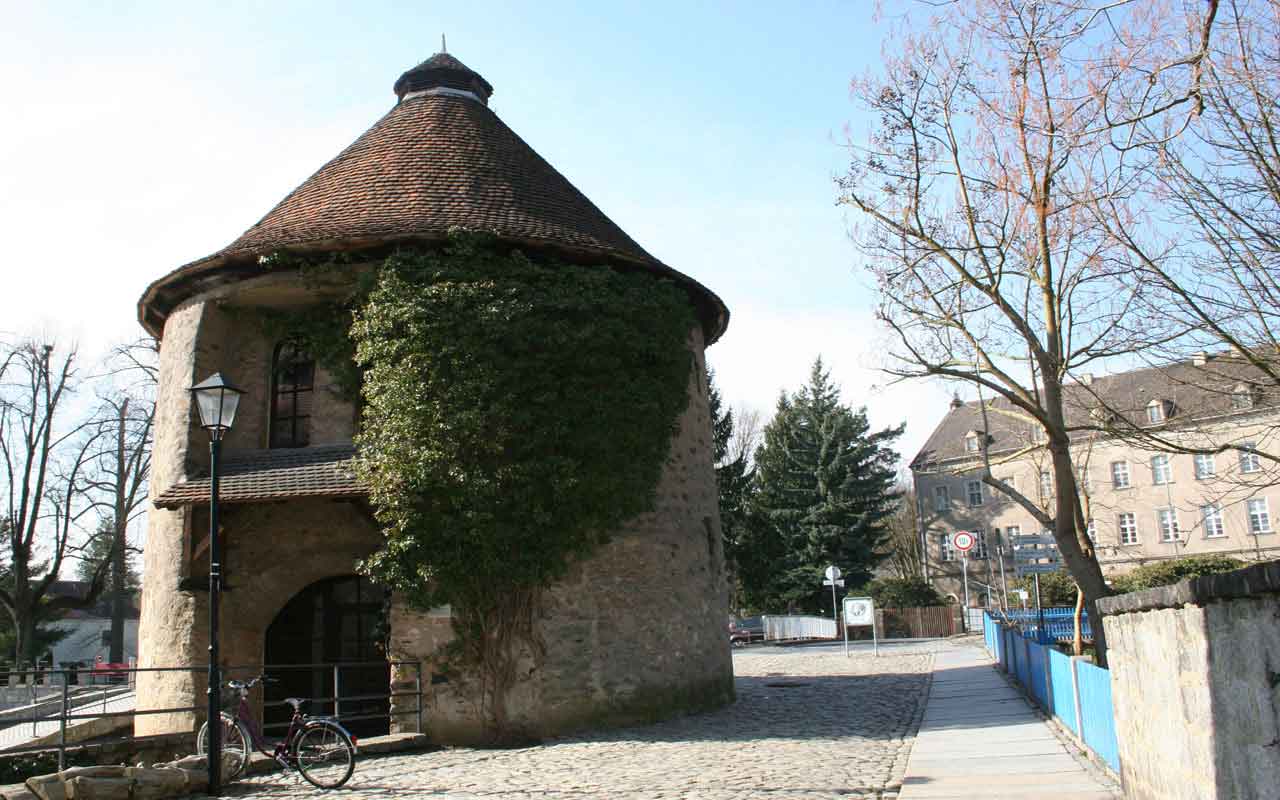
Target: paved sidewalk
column 981, row 739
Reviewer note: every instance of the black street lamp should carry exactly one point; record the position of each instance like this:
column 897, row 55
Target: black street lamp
column 216, row 400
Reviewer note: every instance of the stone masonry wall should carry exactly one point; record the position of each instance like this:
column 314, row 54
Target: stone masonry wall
column 635, row 632
column 202, row 336
column 1196, row 686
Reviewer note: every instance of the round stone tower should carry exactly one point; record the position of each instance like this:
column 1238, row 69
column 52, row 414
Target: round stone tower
column 635, row 632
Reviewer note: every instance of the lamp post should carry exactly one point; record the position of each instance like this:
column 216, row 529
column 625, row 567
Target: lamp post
column 216, row 400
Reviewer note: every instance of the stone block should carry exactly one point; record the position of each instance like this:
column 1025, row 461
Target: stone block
column 47, row 787
column 90, row 788
column 152, row 784
column 19, row 792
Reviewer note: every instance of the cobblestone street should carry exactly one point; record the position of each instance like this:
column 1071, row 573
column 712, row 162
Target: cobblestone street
column 808, row 723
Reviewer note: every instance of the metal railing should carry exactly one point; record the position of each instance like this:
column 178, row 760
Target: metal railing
column 1046, row 625
column 75, row 704
column 778, row 627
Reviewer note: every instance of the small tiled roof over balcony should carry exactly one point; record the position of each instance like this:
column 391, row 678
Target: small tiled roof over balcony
column 265, row 475
column 439, row 160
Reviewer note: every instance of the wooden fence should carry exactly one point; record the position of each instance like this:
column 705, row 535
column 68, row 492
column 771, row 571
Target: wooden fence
column 913, row 623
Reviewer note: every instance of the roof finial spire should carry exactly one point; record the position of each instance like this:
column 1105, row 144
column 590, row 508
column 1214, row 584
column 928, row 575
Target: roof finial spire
column 443, row 47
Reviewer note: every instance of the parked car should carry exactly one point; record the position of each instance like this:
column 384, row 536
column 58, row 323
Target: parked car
column 745, row 631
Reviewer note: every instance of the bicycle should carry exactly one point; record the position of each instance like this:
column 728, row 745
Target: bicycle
column 319, row 748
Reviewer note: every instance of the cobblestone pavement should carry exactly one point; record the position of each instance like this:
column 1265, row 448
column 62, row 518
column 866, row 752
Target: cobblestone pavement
column 808, row 724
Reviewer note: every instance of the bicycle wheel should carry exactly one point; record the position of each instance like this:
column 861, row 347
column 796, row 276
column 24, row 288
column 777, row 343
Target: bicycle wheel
column 325, row 756
column 235, row 746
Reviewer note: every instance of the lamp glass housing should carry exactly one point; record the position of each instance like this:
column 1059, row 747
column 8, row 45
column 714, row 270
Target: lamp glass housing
column 216, row 401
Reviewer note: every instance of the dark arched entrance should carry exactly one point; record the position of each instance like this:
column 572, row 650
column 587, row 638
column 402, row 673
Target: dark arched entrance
column 334, row 621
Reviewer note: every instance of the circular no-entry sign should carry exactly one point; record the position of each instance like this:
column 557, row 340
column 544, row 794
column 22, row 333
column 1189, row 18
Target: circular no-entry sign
column 963, row 541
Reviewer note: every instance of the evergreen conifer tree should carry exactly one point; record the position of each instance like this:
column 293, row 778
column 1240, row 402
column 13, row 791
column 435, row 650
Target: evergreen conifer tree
column 824, row 489
column 734, row 477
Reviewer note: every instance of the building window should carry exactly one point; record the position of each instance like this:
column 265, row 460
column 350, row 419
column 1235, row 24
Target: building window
column 292, row 382
column 1128, row 525
column 1161, row 469
column 975, row 493
column 1120, row 474
column 1259, row 516
column 979, row 550
column 1212, row 518
column 1167, row 524
column 1092, row 531
column 972, row 442
column 1241, row 397
column 1205, row 468
column 1082, row 478
column 948, row 552
column 941, row 498
column 1046, row 485
column 1156, row 411
column 1249, row 458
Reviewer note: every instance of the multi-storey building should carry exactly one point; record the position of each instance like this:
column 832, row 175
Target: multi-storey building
column 1147, row 495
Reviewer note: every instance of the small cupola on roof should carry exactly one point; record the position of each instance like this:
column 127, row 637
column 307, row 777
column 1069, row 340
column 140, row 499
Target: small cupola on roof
column 443, row 74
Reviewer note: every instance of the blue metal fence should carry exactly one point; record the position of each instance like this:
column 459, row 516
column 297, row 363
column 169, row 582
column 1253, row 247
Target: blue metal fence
column 1059, row 623
column 1071, row 689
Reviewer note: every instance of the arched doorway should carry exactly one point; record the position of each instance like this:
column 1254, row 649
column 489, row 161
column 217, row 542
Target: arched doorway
column 333, row 621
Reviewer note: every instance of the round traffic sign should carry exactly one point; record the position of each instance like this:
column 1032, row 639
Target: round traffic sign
column 963, row 541
column 833, row 573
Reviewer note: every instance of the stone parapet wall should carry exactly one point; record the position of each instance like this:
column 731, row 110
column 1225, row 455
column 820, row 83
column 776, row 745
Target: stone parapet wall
column 1196, row 686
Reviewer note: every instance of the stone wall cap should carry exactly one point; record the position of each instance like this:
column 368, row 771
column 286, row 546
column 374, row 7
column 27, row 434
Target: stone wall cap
column 1247, row 582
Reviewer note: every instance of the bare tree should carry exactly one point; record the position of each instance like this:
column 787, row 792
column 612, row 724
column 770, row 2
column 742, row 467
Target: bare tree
column 973, row 202
column 905, row 551
column 45, row 459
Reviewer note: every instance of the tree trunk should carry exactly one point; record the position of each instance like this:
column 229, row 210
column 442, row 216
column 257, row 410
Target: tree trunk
column 1077, row 639
column 118, row 596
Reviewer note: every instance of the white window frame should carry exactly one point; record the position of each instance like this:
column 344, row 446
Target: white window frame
column 1165, row 473
column 1082, row 478
column 1204, row 460
column 1011, row 531
column 1091, row 530
column 1120, row 475
column 1167, row 525
column 941, row 499
column 949, row 553
column 969, row 491
column 1211, row 519
column 1046, row 484
column 1259, row 516
column 1155, row 412
column 1242, row 398
column 1249, row 461
column 972, row 444
column 1132, row 527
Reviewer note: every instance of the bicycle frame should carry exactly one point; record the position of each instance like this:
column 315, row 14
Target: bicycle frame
column 297, row 723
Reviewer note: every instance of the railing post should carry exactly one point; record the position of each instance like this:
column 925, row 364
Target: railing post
column 62, row 727
column 336, row 712
column 418, row 689
column 1075, row 696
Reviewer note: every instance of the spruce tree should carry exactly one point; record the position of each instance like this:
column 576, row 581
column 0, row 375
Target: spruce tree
column 734, row 477
column 824, row 490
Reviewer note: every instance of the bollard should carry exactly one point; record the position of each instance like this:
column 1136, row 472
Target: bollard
column 62, row 728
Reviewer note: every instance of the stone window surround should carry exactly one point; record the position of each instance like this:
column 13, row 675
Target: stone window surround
column 1120, row 475
column 1259, row 512
column 1161, row 469
column 1167, row 525
column 948, row 552
column 1249, row 461
column 1131, row 528
column 974, row 491
column 1211, row 518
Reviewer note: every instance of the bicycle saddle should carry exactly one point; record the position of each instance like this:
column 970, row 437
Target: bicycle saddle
column 296, row 702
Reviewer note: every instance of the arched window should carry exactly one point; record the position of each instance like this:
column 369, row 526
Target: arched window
column 293, row 374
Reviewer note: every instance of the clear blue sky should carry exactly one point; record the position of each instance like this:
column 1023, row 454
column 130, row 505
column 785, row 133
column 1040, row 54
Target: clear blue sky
column 141, row 136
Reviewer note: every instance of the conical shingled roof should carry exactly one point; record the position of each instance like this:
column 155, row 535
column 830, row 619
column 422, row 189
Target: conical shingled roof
column 439, row 160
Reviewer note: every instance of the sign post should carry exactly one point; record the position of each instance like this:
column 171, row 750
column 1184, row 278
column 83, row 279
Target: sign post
column 860, row 611
column 964, row 541
column 833, row 580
